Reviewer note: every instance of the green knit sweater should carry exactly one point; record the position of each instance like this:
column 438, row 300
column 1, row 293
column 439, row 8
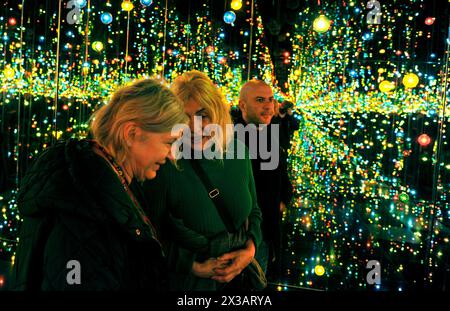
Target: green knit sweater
column 189, row 220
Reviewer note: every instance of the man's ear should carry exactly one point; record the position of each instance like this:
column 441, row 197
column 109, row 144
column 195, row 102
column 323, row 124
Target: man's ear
column 241, row 105
column 130, row 132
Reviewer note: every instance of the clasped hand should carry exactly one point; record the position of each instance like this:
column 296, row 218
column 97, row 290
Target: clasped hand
column 224, row 268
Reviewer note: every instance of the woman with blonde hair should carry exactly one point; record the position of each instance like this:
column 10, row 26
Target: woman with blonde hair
column 208, row 206
column 84, row 224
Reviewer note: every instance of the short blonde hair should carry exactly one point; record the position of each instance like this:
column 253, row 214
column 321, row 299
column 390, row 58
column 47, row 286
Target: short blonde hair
column 195, row 85
column 148, row 103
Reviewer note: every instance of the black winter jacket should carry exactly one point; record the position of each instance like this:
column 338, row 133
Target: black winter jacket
column 74, row 207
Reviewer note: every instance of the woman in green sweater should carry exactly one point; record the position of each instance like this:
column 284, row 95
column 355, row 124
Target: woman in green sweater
column 202, row 253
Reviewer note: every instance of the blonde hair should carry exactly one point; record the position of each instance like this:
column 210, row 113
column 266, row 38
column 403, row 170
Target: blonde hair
column 195, row 85
column 148, row 103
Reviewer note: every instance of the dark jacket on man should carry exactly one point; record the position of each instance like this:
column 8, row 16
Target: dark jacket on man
column 74, row 207
column 269, row 191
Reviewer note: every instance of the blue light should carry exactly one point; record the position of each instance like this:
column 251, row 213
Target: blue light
column 246, row 33
column 69, row 33
column 229, row 17
column 367, row 36
column 433, row 55
column 353, row 73
column 41, row 39
column 80, row 3
column 222, row 35
column 146, row 2
column 106, row 18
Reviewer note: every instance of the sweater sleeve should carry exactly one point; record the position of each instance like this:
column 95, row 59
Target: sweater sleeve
column 254, row 229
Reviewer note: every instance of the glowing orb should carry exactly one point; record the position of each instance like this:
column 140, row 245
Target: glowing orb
column 321, row 24
column 386, row 86
column 410, row 80
column 236, row 4
column 229, row 17
column 146, row 2
column 319, row 270
column 424, row 140
column 127, row 5
column 97, row 46
column 106, row 18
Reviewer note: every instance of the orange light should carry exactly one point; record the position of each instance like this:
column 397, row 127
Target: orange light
column 12, row 21
column 429, row 21
column 424, row 140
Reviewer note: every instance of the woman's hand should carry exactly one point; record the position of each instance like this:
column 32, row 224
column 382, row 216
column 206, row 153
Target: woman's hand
column 206, row 269
column 237, row 261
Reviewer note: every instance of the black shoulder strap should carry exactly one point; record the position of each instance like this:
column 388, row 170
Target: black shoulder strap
column 214, row 195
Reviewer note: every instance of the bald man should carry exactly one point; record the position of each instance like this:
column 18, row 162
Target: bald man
column 257, row 106
column 256, row 102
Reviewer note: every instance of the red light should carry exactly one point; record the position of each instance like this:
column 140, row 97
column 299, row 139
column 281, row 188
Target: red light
column 424, row 140
column 128, row 58
column 12, row 21
column 429, row 21
column 65, row 107
column 286, row 54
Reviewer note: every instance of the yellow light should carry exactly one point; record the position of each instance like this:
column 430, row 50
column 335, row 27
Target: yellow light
column 127, row 5
column 319, row 270
column 410, row 80
column 97, row 46
column 236, row 4
column 9, row 73
column 386, row 86
column 321, row 24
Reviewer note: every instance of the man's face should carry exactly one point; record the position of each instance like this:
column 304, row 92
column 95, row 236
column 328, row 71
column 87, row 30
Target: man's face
column 258, row 105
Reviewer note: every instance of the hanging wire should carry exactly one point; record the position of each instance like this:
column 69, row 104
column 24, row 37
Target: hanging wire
column 164, row 41
column 19, row 103
column 251, row 40
column 58, row 42
column 127, row 43
column 85, row 63
column 188, row 36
